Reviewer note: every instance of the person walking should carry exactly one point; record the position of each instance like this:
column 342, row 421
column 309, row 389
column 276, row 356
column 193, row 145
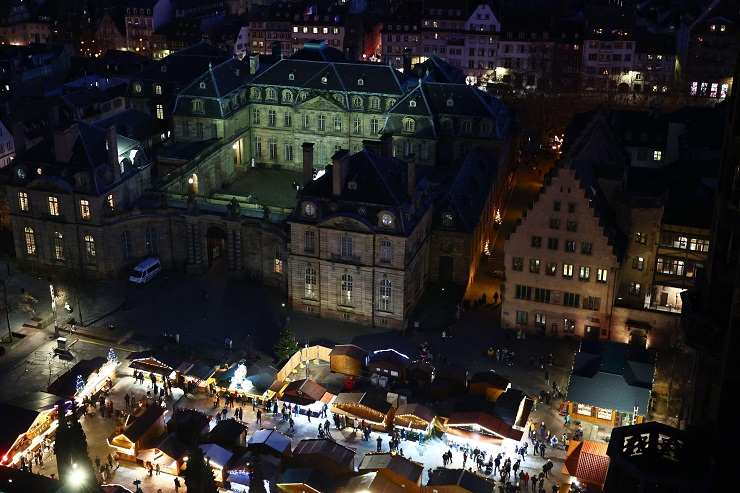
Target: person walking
column 177, row 484
column 259, row 417
column 380, row 443
column 157, row 469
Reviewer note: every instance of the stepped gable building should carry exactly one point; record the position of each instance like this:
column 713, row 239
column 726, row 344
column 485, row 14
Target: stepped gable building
column 333, row 105
column 360, row 239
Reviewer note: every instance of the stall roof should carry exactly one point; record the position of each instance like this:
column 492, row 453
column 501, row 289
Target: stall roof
column 166, row 358
column 350, row 350
column 418, row 410
column 400, row 465
column 587, row 461
column 388, row 356
column 491, row 378
column 173, row 447
column 460, row 477
column 305, row 475
column 141, row 423
column 16, row 421
column 272, row 439
column 373, row 481
column 374, row 402
column 226, row 431
column 201, row 371
column 303, row 392
column 326, row 448
column 217, row 454
column 66, row 384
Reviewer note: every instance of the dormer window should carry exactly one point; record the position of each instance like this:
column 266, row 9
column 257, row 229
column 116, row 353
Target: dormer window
column 291, row 76
column 309, row 209
column 202, row 85
column 271, row 94
column 287, row 96
column 198, row 106
column 137, row 88
column 374, row 103
column 163, row 68
column 158, row 89
column 324, row 80
column 386, row 219
column 390, row 103
column 450, row 102
column 412, row 104
column 360, row 82
column 357, row 102
column 254, row 93
column 447, row 219
column 409, row 125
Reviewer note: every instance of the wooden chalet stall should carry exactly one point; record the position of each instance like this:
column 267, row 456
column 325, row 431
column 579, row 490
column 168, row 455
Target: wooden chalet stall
column 140, row 432
column 400, row 470
column 477, row 419
column 363, row 406
column 414, row 417
column 444, row 480
column 229, row 433
column 95, row 373
column 489, row 384
column 347, row 359
column 160, row 362
column 169, row 454
column 389, row 363
column 219, row 459
column 306, row 393
column 27, row 421
column 270, row 442
column 329, row 457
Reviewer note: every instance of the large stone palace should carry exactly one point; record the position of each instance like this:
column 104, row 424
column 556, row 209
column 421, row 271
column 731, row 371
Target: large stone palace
column 349, row 185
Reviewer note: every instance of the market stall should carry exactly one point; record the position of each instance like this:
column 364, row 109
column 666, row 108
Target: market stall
column 218, row 458
column 28, row 421
column 84, row 379
column 253, row 383
column 306, row 393
column 168, row 454
column 414, row 417
column 139, row 432
column 270, row 442
column 363, row 406
column 347, row 359
column 587, row 462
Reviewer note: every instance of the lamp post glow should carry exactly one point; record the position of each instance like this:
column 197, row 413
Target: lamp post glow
column 54, row 308
column 76, row 477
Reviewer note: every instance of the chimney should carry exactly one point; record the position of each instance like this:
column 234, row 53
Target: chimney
column 386, row 145
column 411, row 179
column 276, row 49
column 64, row 140
column 111, row 145
column 338, row 171
column 406, row 61
column 19, row 139
column 307, row 162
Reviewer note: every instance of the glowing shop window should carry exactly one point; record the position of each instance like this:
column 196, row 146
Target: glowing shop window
column 583, row 409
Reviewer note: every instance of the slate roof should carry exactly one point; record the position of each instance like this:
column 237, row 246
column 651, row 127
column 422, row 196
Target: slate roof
column 215, row 83
column 341, row 76
column 303, row 392
column 227, row 431
column 418, row 410
column 400, row 465
column 380, row 183
column 318, row 51
column 467, row 480
column 612, row 376
column 350, row 350
column 217, row 454
column 436, row 69
column 468, row 193
column 173, row 447
column 184, row 65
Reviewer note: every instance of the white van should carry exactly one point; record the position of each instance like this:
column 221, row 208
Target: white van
column 145, row 271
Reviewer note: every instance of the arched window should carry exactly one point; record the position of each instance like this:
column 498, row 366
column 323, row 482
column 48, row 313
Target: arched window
column 346, row 246
column 386, row 250
column 385, row 295
column 345, row 289
column 89, row 246
column 30, row 237
column 409, row 125
column 58, row 243
column 390, row 103
column 357, row 102
column 271, row 118
column 271, row 93
column 287, row 96
column 310, row 282
column 254, row 93
column 374, row 103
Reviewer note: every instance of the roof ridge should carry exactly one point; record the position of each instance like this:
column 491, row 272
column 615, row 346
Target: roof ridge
column 382, row 177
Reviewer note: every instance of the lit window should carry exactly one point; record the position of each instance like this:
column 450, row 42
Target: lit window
column 601, row 275
column 346, row 289
column 638, row 263
column 635, row 288
column 53, row 206
column 23, row 201
column 585, row 273
column 657, row 155
column 278, row 266
column 568, row 270
column 160, row 112
column 198, row 106
column 337, row 123
column 374, row 103
column 30, row 237
column 89, row 246
column 409, row 125
column 385, row 295
column 58, row 243
column 110, row 201
column 157, row 89
column 310, row 282
column 85, row 209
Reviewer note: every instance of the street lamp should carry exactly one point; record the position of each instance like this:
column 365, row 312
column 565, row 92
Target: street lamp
column 54, row 308
column 76, row 477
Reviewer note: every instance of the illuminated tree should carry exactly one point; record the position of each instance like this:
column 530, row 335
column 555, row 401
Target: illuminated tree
column 286, row 346
column 198, row 474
